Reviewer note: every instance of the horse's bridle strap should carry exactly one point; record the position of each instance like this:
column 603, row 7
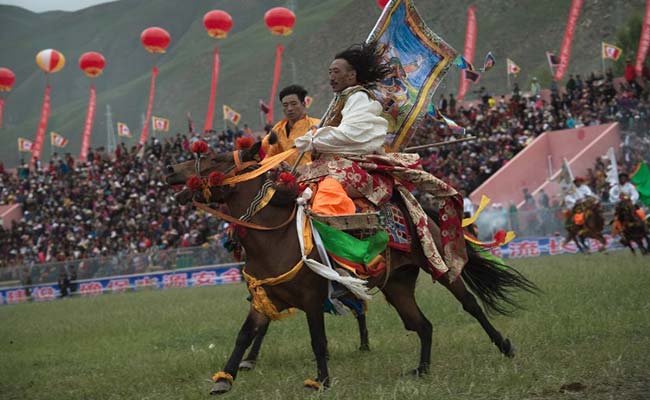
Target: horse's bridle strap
column 245, row 224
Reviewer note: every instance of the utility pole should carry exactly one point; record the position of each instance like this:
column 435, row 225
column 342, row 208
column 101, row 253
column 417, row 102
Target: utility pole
column 111, row 143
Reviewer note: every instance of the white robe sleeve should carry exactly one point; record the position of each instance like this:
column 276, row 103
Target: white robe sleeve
column 362, row 129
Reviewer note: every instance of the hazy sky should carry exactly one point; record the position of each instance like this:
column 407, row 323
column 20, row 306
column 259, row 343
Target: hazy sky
column 49, row 5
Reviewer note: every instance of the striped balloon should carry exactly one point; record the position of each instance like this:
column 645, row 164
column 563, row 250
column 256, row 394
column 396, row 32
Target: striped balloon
column 50, row 60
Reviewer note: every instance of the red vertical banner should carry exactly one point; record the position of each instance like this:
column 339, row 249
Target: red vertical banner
column 2, row 107
column 565, row 52
column 147, row 119
column 644, row 42
column 42, row 126
column 88, row 126
column 213, row 91
column 470, row 44
column 276, row 80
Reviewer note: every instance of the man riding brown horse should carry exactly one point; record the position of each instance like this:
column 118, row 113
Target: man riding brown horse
column 277, row 282
column 584, row 216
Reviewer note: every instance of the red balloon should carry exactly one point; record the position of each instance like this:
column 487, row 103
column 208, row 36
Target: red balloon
column 155, row 40
column 280, row 21
column 382, row 3
column 7, row 79
column 218, row 23
column 92, row 64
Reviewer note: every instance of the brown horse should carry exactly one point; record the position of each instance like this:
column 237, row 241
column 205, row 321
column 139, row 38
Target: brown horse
column 491, row 281
column 593, row 226
column 633, row 228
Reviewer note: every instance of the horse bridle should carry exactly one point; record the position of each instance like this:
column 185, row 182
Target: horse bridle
column 235, row 169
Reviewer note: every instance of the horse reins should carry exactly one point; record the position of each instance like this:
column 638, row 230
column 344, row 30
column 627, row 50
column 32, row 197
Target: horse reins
column 231, row 172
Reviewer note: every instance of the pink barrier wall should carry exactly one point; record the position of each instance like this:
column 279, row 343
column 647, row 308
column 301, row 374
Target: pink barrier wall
column 10, row 213
column 530, row 167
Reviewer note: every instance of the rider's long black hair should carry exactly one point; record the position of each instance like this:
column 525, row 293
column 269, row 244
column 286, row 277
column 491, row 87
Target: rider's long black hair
column 366, row 61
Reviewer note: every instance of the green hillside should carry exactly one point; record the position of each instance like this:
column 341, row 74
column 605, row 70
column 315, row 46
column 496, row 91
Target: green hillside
column 521, row 30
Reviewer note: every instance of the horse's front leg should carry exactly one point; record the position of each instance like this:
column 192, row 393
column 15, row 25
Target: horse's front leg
column 223, row 380
column 316, row 321
column 251, row 359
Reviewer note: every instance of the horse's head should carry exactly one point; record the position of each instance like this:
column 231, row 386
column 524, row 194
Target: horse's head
column 207, row 171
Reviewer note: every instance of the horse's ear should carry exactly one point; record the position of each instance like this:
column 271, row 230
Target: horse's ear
column 253, row 152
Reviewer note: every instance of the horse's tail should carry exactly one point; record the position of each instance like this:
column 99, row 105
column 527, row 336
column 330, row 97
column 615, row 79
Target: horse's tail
column 494, row 282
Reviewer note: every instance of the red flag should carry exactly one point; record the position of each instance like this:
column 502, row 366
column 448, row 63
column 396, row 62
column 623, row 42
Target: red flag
column 565, row 52
column 470, row 43
column 88, row 126
column 264, row 107
column 553, row 61
column 42, row 126
column 213, row 91
column 2, row 107
column 152, row 92
column 644, row 42
column 276, row 79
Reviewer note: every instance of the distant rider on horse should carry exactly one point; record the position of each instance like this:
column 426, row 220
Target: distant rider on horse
column 578, row 202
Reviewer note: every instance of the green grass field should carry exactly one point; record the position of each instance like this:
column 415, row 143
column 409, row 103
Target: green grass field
column 591, row 328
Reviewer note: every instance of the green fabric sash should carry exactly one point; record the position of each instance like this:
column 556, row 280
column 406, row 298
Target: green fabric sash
column 346, row 246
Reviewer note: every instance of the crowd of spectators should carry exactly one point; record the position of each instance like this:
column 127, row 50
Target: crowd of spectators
column 118, row 204
column 504, row 125
column 112, row 204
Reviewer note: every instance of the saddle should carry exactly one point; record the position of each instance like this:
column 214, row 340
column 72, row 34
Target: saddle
column 357, row 242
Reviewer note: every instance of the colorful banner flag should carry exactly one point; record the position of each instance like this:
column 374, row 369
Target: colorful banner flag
column 553, row 61
column 612, row 169
column 644, row 42
column 88, row 126
column 123, row 130
column 24, row 145
column 438, row 116
column 565, row 178
column 419, row 59
column 610, row 51
column 489, row 62
column 213, row 91
column 160, row 124
column 565, row 52
column 468, row 54
column 472, row 76
column 42, row 126
column 57, row 140
column 231, row 115
column 152, row 93
column 513, row 69
column 641, row 178
column 264, row 107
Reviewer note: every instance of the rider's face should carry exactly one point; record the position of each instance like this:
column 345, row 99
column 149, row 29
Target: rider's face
column 341, row 75
column 292, row 107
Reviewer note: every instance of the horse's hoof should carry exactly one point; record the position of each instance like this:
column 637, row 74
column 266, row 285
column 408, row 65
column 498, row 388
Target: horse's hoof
column 220, row 387
column 364, row 347
column 507, row 349
column 247, row 365
column 316, row 385
column 417, row 372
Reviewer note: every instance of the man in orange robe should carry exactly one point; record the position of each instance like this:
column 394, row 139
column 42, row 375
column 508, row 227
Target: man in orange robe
column 295, row 124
